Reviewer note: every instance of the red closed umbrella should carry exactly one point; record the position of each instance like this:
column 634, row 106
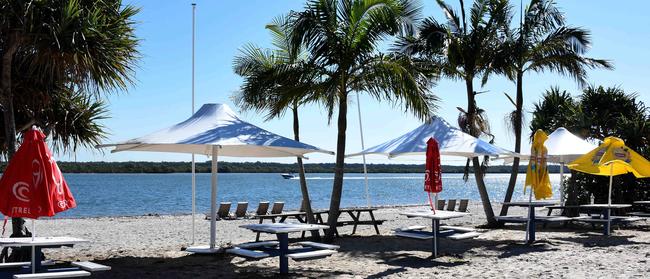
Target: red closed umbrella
column 433, row 172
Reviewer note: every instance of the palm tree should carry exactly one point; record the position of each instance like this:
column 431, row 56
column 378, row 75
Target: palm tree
column 542, row 42
column 84, row 46
column 342, row 38
column 465, row 51
column 260, row 90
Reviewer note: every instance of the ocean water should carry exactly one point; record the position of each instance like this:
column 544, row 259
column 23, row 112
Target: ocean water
column 140, row 194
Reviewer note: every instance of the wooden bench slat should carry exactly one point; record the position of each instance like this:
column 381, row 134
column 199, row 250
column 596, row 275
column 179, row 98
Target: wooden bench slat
column 248, row 253
column 59, row 274
column 258, row 244
column 91, row 266
column 319, row 245
column 311, row 255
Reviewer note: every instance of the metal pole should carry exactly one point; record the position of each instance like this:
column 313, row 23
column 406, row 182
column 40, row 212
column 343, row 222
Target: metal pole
column 363, row 147
column 562, row 183
column 213, row 198
column 611, row 180
column 193, row 161
column 33, row 247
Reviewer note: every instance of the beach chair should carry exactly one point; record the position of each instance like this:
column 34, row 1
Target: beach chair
column 441, row 204
column 224, row 210
column 277, row 208
column 262, row 208
column 462, row 207
column 240, row 212
column 452, row 205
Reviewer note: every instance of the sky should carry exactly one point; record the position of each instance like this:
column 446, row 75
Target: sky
column 161, row 95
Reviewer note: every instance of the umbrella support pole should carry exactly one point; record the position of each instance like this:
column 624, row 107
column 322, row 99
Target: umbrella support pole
column 363, row 147
column 212, row 247
column 33, row 247
column 562, row 183
column 193, row 200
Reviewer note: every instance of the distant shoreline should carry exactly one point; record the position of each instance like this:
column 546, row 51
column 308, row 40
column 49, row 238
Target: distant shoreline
column 260, row 167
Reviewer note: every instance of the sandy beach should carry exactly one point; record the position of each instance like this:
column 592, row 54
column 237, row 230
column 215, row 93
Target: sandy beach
column 151, row 247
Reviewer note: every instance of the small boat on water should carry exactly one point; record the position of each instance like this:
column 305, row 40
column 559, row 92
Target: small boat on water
column 288, row 175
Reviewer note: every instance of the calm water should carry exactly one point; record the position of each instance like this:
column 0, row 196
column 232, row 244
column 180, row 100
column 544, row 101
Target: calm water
column 138, row 194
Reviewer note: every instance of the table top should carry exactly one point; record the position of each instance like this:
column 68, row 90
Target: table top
column 356, row 209
column 439, row 214
column 531, row 203
column 284, row 214
column 642, row 202
column 40, row 241
column 604, row 205
column 276, row 228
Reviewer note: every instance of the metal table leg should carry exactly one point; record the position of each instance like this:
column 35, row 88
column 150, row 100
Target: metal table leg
column 434, row 227
column 607, row 225
column 531, row 224
column 283, row 238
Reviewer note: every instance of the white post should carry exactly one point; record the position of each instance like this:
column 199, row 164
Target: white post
column 213, row 198
column 363, row 147
column 562, row 182
column 611, row 180
column 193, row 161
column 33, row 247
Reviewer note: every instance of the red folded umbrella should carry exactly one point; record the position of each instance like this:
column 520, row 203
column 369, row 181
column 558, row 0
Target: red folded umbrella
column 32, row 186
column 432, row 173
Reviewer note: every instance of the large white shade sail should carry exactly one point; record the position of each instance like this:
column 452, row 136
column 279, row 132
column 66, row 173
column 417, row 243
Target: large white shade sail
column 217, row 125
column 451, row 140
column 562, row 146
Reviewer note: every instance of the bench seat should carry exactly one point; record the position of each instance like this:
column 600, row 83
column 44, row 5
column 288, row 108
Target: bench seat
column 556, row 218
column 91, row 266
column 311, row 255
column 364, row 222
column 414, row 234
column 511, row 219
column 250, row 254
column 458, row 229
column 59, row 274
column 639, row 214
column 21, row 264
column 251, row 245
column 318, row 245
column 410, row 228
column 461, row 236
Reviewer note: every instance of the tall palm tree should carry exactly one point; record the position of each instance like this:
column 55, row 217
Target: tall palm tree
column 81, row 45
column 465, row 50
column 542, row 42
column 260, row 90
column 343, row 38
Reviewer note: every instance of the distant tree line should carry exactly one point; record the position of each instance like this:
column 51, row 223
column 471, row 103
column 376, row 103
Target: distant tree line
column 254, row 167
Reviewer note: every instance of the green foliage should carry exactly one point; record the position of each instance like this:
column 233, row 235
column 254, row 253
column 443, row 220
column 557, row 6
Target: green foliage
column 597, row 113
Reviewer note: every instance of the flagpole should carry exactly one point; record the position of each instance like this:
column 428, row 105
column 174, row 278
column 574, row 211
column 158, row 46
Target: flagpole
column 193, row 161
column 363, row 147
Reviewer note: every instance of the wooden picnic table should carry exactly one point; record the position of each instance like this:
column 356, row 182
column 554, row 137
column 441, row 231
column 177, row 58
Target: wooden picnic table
column 435, row 223
column 531, row 220
column 39, row 243
column 282, row 230
column 606, row 213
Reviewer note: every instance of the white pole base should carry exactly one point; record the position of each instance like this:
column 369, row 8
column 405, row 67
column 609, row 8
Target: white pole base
column 203, row 249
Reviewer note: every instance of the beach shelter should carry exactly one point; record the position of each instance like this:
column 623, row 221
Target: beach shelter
column 433, row 172
column 537, row 173
column 562, row 147
column 612, row 158
column 32, row 185
column 215, row 130
column 451, row 140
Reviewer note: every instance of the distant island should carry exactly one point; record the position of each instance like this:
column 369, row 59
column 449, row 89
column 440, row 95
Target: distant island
column 257, row 167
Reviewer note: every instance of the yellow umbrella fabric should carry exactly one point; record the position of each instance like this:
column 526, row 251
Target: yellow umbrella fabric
column 537, row 173
column 611, row 158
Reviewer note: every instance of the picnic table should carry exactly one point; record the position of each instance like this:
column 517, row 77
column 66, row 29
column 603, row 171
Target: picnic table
column 417, row 232
column 605, row 217
column 308, row 250
column 531, row 221
column 37, row 268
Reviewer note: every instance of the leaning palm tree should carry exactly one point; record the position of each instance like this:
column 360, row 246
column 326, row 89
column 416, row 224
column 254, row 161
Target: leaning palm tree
column 342, row 38
column 465, row 50
column 260, row 90
column 542, row 42
column 82, row 45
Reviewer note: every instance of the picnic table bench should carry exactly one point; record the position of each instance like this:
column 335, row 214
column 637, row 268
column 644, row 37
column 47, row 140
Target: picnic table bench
column 305, row 250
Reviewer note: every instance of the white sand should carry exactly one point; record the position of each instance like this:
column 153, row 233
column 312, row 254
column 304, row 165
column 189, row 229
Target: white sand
column 150, row 247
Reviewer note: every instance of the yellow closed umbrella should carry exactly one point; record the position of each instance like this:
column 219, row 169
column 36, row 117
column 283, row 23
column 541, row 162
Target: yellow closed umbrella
column 612, row 158
column 537, row 173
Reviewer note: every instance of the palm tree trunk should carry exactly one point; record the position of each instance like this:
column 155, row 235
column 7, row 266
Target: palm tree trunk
column 518, row 127
column 7, row 100
column 478, row 173
column 301, row 172
column 337, row 186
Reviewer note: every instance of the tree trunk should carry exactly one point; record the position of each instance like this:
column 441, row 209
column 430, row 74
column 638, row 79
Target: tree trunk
column 301, row 172
column 518, row 129
column 337, row 186
column 478, row 173
column 7, row 100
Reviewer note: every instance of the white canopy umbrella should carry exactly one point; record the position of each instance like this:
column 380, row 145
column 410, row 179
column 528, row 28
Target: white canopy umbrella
column 563, row 147
column 451, row 140
column 216, row 130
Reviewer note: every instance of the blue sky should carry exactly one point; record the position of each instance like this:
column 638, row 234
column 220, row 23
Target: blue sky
column 162, row 93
